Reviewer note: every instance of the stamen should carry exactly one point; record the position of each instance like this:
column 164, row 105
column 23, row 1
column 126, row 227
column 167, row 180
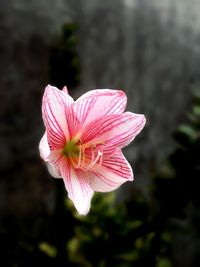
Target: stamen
column 99, row 155
column 85, row 162
column 79, row 157
column 93, row 153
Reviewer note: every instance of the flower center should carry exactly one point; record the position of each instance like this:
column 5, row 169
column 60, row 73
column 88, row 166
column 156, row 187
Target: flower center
column 83, row 156
column 71, row 149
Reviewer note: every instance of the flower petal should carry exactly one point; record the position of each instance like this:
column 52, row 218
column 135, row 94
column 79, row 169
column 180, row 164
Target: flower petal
column 54, row 160
column 114, row 130
column 53, row 170
column 44, row 147
column 54, row 107
column 115, row 170
column 65, row 90
column 98, row 103
column 77, row 187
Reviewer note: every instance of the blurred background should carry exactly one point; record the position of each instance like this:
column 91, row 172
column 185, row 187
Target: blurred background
column 151, row 50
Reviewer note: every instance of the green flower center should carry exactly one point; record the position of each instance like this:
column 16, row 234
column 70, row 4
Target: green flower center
column 76, row 152
column 71, row 149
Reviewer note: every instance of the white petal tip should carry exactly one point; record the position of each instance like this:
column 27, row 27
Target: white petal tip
column 82, row 207
column 44, row 148
column 82, row 210
column 83, row 213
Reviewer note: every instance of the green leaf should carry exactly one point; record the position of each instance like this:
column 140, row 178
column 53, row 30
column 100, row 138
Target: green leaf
column 188, row 131
column 196, row 110
column 163, row 263
column 48, row 249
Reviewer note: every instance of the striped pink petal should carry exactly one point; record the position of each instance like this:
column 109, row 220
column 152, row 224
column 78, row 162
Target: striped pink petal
column 97, row 103
column 52, row 158
column 77, row 186
column 115, row 170
column 54, row 107
column 53, row 165
column 114, row 131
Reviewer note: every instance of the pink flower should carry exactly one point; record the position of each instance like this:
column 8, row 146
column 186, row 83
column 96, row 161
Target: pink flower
column 83, row 141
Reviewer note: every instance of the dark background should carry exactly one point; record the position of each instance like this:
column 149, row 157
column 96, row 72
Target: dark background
column 150, row 49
